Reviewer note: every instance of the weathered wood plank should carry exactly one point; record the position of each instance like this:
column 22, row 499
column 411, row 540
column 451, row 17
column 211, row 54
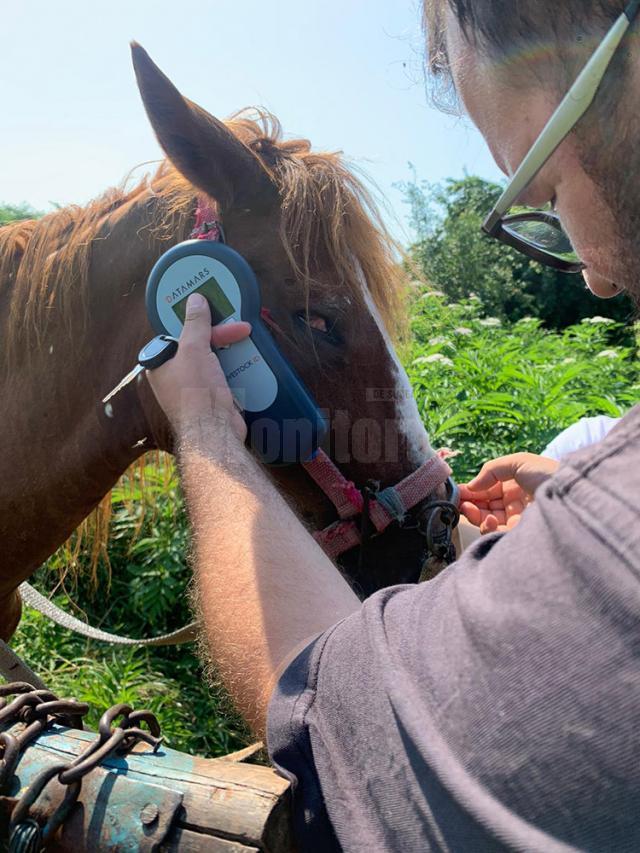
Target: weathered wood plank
column 239, row 803
column 187, row 841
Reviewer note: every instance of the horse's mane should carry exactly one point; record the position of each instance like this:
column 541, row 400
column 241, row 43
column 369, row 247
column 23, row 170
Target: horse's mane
column 326, row 213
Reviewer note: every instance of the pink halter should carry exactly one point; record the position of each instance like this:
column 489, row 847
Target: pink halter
column 391, row 504
column 382, row 508
column 207, row 225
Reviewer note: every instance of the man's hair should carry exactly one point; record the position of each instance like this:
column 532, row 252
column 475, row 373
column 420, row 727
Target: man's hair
column 499, row 28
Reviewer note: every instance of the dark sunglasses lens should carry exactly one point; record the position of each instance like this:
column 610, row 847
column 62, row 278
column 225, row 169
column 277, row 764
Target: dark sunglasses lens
column 544, row 236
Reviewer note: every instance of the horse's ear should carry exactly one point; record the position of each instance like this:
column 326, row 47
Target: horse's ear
column 200, row 146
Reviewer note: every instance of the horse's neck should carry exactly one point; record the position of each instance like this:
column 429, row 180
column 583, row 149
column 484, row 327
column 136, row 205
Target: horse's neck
column 62, row 451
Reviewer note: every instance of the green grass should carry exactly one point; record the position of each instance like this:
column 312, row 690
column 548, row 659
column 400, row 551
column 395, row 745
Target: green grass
column 144, row 591
column 483, row 388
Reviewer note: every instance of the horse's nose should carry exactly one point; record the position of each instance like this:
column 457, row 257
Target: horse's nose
column 395, row 557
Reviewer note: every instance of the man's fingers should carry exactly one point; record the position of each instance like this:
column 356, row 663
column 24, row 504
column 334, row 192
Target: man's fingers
column 481, row 495
column 197, row 325
column 230, row 333
column 471, row 512
column 198, row 331
column 495, row 472
column 489, row 525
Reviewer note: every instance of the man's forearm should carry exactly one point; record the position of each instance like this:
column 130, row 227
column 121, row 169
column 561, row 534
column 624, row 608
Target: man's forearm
column 265, row 585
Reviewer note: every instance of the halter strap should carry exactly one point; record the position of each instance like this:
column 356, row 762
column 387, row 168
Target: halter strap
column 343, row 494
column 391, row 504
column 207, row 226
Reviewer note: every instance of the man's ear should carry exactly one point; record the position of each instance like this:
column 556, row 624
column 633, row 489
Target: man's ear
column 200, row 146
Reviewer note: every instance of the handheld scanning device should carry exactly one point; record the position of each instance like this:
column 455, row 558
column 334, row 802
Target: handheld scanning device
column 284, row 423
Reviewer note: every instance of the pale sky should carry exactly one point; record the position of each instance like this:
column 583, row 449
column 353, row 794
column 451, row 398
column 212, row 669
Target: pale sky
column 347, row 74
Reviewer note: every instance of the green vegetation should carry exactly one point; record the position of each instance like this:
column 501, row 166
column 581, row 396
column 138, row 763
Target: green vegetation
column 485, row 384
column 487, row 387
column 9, row 212
column 141, row 591
column 452, row 253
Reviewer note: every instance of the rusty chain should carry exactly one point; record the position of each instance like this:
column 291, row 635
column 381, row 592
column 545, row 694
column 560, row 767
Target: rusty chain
column 38, row 710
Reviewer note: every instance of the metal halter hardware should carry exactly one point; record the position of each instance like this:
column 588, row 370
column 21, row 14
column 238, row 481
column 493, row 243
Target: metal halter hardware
column 436, row 520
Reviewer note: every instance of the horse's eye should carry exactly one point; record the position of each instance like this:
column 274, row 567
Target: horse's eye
column 320, row 325
column 314, row 321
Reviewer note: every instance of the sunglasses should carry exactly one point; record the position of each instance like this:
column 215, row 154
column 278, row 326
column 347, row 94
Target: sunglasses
column 537, row 233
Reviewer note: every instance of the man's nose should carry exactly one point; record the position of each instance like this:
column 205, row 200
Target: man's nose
column 601, row 286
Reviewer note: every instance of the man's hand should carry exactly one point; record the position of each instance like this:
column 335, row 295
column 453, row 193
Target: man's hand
column 497, row 497
column 192, row 387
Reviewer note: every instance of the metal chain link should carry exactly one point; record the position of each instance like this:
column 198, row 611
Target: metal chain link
column 39, row 710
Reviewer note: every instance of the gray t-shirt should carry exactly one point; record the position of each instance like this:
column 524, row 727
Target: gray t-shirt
column 495, row 707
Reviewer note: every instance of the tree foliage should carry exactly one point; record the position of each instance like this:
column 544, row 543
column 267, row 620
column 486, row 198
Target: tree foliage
column 10, row 212
column 455, row 257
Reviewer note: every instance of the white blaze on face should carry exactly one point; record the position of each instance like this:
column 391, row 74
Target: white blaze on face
column 409, row 421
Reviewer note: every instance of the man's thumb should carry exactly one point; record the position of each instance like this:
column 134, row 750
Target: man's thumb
column 496, row 471
column 197, row 322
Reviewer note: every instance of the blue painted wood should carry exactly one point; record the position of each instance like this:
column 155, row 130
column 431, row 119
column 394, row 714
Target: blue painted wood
column 114, row 806
column 220, row 799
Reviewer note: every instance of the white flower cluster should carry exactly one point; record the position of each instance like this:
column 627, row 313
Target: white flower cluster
column 462, row 330
column 436, row 358
column 490, row 322
column 608, row 353
column 598, row 321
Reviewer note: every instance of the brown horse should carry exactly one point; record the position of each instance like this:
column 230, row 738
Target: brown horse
column 72, row 319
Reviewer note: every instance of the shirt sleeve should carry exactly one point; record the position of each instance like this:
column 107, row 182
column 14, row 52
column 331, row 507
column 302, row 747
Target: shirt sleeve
column 492, row 708
column 582, row 434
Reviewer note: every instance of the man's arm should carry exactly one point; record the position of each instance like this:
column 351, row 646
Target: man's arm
column 264, row 585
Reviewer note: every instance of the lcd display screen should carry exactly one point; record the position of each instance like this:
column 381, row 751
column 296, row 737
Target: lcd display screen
column 220, row 306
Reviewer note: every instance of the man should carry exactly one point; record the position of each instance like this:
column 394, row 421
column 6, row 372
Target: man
column 497, row 706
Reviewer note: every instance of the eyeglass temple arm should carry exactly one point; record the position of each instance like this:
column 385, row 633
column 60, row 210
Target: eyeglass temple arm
column 574, row 105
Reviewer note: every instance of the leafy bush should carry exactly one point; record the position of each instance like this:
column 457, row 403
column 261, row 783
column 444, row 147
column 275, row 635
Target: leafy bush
column 486, row 387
